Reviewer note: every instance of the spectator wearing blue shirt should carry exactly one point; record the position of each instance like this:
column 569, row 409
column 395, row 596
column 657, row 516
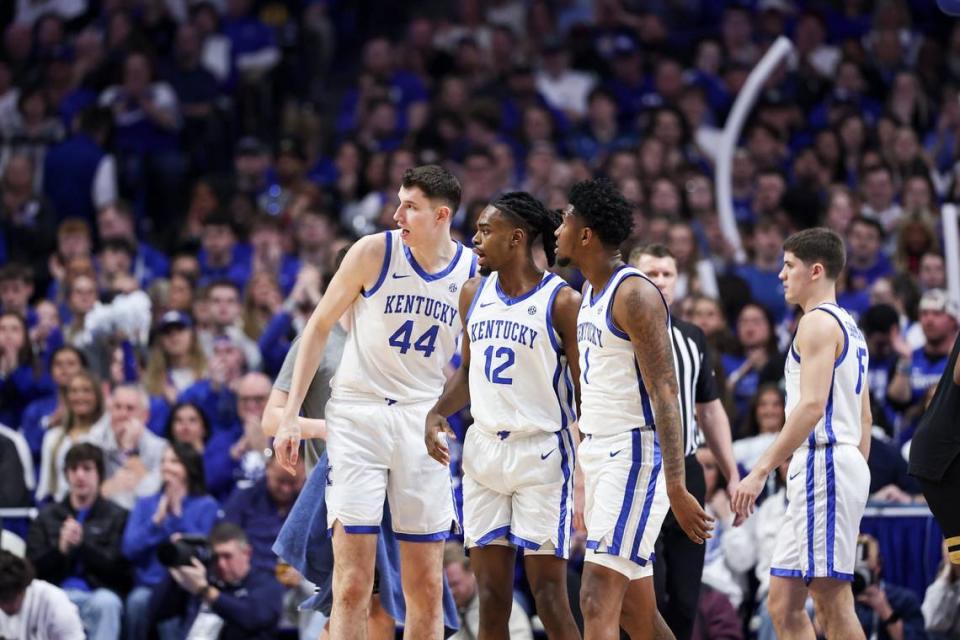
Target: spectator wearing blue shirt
column 21, row 381
column 600, row 134
column 380, row 68
column 261, row 509
column 762, row 273
column 268, row 256
column 866, row 262
column 40, row 414
column 147, row 123
column 181, row 507
column 79, row 174
column 627, row 83
column 756, row 347
column 116, row 221
column 253, row 48
column 915, row 376
column 885, row 346
column 221, row 256
column 215, row 395
column 188, row 425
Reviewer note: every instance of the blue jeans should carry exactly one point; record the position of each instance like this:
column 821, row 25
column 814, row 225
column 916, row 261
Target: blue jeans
column 101, row 611
column 137, row 617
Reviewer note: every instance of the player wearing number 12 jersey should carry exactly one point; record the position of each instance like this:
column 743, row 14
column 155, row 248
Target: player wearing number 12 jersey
column 400, row 290
column 519, row 369
column 828, row 433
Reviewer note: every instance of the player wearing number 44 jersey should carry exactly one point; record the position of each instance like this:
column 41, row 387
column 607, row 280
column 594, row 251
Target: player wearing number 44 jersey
column 400, row 290
column 632, row 455
column 519, row 348
column 828, row 434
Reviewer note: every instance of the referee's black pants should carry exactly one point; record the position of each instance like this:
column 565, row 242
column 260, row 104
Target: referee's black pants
column 678, row 566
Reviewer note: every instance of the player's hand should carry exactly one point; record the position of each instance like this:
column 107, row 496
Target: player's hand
column 731, row 491
column 747, row 492
column 286, row 445
column 690, row 515
column 435, row 434
column 579, row 500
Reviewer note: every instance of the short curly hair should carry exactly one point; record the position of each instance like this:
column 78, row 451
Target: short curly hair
column 604, row 209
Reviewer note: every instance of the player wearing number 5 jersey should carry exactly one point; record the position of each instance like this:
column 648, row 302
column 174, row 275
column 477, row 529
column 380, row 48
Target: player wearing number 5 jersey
column 519, row 368
column 400, row 290
column 828, row 433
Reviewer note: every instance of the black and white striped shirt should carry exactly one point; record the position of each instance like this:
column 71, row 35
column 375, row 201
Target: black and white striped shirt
column 695, row 376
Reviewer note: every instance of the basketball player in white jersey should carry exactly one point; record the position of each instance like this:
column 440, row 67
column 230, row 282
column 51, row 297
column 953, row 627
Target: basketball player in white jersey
column 401, row 289
column 828, row 434
column 629, row 410
column 519, row 350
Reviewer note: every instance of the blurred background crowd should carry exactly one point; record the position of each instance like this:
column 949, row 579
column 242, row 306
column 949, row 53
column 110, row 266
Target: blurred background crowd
column 177, row 176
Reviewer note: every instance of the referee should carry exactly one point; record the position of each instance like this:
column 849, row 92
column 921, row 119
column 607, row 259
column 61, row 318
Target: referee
column 679, row 565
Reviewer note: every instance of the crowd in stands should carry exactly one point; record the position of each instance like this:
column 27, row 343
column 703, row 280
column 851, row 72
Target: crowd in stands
column 177, row 176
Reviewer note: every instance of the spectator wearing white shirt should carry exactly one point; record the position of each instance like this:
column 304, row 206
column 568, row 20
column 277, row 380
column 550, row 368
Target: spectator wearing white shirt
column 463, row 587
column 32, row 608
column 941, row 604
column 563, row 88
column 763, row 424
column 132, row 454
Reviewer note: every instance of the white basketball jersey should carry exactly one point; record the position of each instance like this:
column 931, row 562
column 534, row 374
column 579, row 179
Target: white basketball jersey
column 519, row 378
column 841, row 418
column 613, row 397
column 403, row 330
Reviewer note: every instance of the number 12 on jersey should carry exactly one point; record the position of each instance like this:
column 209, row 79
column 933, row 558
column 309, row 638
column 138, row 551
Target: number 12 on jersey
column 426, row 343
column 504, row 357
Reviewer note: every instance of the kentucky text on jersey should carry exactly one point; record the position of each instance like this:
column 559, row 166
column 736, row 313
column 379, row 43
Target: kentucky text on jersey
column 420, row 305
column 502, row 330
column 589, row 332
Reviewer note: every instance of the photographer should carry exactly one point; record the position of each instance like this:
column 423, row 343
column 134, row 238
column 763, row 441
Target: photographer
column 33, row 608
column 231, row 599
column 75, row 544
column 886, row 611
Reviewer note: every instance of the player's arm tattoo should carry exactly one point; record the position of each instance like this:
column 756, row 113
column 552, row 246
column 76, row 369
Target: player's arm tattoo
column 645, row 320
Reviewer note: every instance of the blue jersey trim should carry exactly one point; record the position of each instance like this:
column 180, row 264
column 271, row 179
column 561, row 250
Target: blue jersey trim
column 648, row 501
column 507, row 300
column 493, row 534
column 793, row 352
column 422, row 537
column 593, row 297
column 614, row 329
column 476, row 297
column 473, row 266
column 384, row 268
column 430, row 277
column 644, row 396
column 565, row 468
column 551, row 332
column 523, row 542
column 628, row 492
column 786, row 573
column 356, row 529
column 811, row 507
column 846, row 338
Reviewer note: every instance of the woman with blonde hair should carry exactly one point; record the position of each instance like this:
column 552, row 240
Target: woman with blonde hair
column 176, row 359
column 263, row 300
column 85, row 407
